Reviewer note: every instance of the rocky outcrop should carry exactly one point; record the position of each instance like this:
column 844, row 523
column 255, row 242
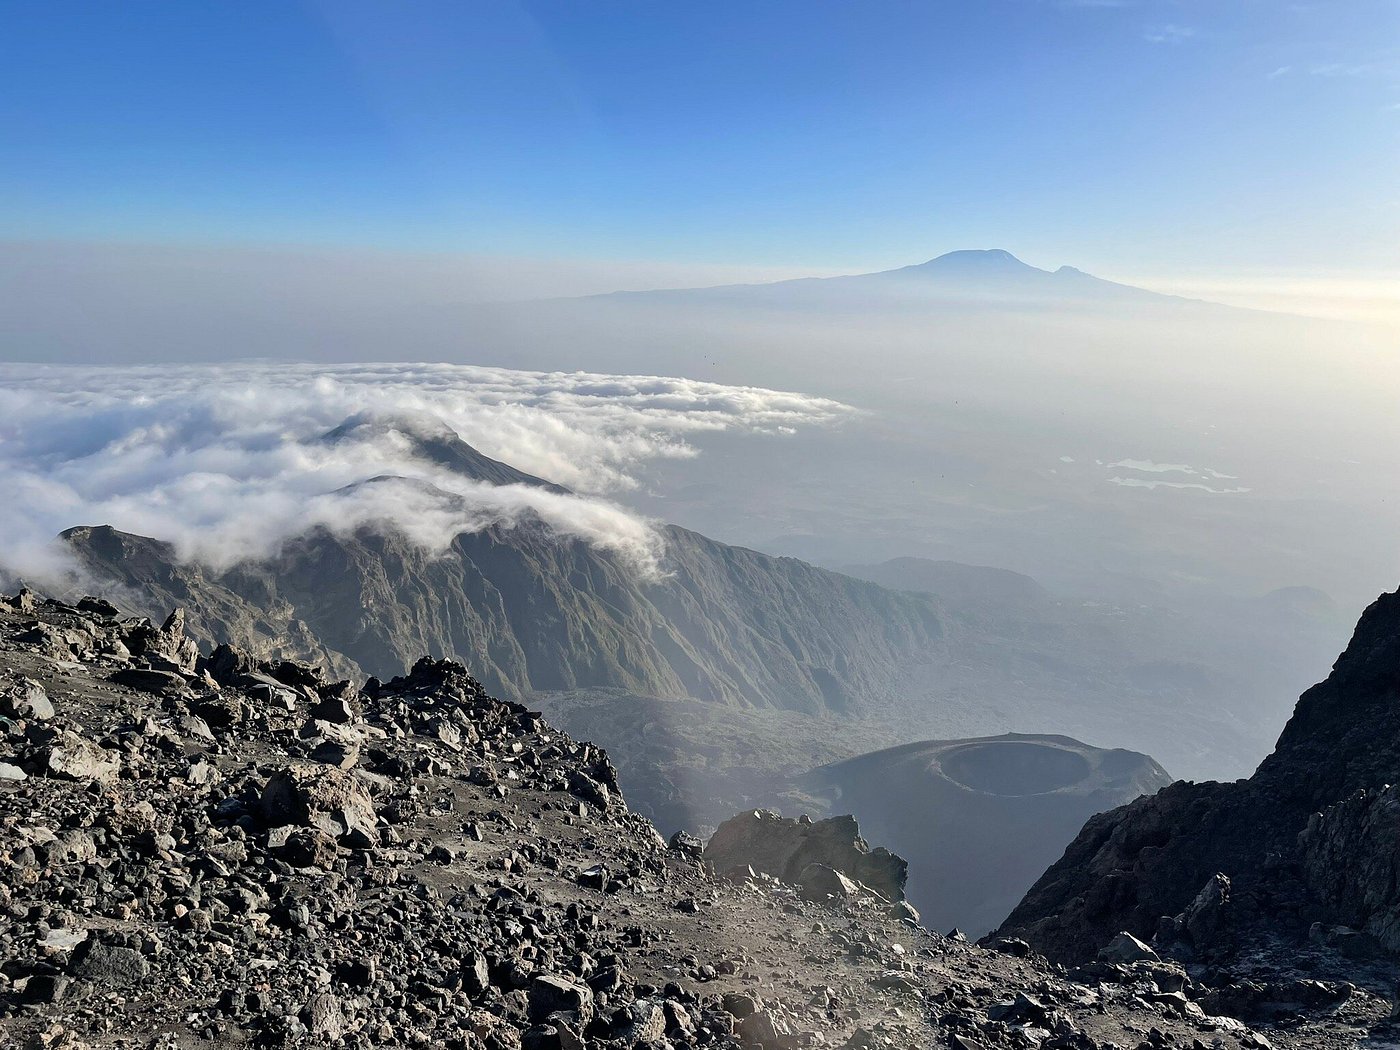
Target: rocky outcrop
column 800, row 850
column 1350, row 860
column 980, row 819
column 1309, row 838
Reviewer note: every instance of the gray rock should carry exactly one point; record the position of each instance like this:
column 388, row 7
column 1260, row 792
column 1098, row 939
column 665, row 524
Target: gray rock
column 71, row 757
column 322, row 797
column 26, row 699
column 646, row 1021
column 820, row 883
column 108, row 967
column 1125, row 948
column 309, row 848
column 783, row 847
column 766, row 1030
column 150, row 680
column 324, row 1017
column 551, row 993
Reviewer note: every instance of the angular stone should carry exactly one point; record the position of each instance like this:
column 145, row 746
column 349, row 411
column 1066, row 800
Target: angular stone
column 45, row 988
column 70, row 757
column 322, row 797
column 551, row 993
column 25, row 699
column 309, row 848
column 783, row 847
column 684, row 842
column 647, row 1021
column 324, row 1017
column 820, row 883
column 1125, row 948
column 108, row 967
column 149, row 680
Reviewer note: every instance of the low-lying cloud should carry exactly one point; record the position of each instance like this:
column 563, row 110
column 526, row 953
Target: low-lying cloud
column 228, row 462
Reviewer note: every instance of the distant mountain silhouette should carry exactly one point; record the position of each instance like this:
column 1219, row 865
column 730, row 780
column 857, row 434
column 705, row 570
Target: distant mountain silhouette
column 992, row 275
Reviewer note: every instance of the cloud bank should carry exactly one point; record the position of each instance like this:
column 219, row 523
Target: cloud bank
column 229, row 462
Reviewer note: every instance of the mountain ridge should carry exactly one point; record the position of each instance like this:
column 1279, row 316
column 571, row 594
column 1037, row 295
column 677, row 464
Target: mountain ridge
column 724, row 626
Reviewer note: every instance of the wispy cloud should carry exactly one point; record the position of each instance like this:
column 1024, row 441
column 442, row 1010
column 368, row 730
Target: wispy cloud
column 1168, row 33
column 226, row 462
column 1342, row 69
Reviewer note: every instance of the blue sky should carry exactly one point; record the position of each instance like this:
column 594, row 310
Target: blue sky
column 1163, row 136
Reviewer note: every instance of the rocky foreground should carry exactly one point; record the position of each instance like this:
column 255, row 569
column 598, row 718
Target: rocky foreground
column 204, row 849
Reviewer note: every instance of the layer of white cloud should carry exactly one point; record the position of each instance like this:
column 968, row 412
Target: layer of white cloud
column 225, row 462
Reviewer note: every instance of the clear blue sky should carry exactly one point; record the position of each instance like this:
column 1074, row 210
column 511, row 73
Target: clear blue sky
column 1182, row 134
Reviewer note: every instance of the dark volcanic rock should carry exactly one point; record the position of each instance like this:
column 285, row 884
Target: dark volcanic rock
column 1308, row 838
column 784, row 848
column 322, row 797
column 186, row 886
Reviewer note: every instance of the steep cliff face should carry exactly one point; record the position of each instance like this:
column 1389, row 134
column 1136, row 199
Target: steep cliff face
column 534, row 611
column 1309, row 838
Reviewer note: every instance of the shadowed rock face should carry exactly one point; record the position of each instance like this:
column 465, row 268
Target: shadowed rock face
column 979, row 819
column 1308, row 838
column 786, row 848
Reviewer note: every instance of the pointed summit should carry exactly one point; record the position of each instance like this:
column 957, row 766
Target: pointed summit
column 433, row 441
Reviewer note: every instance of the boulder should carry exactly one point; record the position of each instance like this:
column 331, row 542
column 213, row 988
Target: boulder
column 309, row 848
column 150, row 680
column 822, row 883
column 324, row 1017
column 783, row 847
column 70, row 757
column 321, row 797
column 338, row 708
column 1125, row 948
column 109, row 968
column 167, row 644
column 25, row 699
column 551, row 993
column 227, row 663
column 685, row 842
